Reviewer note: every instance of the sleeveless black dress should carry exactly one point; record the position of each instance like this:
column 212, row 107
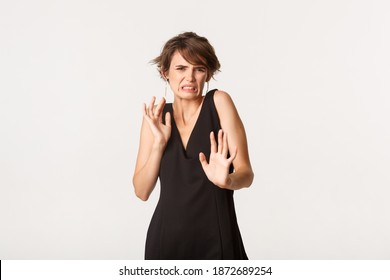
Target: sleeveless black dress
column 194, row 219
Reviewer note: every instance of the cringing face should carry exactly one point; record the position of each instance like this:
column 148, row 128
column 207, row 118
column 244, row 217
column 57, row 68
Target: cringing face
column 185, row 78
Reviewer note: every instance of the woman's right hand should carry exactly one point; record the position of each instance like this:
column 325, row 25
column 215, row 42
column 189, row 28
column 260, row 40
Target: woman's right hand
column 153, row 116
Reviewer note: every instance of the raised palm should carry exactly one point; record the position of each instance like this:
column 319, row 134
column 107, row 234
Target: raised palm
column 217, row 169
column 153, row 116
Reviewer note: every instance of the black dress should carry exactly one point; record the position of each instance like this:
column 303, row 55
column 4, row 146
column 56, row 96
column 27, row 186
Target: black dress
column 194, row 219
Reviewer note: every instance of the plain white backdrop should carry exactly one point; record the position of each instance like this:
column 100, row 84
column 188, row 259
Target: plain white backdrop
column 310, row 80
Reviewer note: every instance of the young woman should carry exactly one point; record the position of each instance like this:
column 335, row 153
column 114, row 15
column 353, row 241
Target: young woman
column 197, row 148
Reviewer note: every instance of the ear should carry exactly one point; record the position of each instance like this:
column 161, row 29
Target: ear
column 208, row 78
column 164, row 75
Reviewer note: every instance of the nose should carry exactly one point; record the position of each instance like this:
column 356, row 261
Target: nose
column 190, row 75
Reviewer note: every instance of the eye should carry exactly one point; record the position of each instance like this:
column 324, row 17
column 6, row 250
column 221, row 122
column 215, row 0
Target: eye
column 201, row 69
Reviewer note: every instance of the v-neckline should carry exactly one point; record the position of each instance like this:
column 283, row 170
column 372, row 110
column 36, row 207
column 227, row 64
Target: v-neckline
column 185, row 148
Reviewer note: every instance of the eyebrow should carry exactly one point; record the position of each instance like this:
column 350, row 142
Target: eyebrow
column 195, row 66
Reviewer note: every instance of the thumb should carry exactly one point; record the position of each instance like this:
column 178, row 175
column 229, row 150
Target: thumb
column 168, row 119
column 203, row 161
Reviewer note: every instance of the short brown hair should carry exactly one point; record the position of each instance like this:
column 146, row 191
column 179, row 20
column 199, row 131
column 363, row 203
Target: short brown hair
column 195, row 49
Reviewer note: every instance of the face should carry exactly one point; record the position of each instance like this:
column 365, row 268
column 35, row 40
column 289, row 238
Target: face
column 186, row 80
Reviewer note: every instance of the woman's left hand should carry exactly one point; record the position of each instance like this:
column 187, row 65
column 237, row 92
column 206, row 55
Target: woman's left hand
column 217, row 169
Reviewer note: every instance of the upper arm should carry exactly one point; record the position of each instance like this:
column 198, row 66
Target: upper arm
column 232, row 125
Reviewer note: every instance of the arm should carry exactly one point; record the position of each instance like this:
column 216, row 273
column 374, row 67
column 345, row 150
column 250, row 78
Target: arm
column 232, row 139
column 153, row 140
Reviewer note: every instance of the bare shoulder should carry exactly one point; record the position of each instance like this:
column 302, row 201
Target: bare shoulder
column 224, row 103
column 221, row 97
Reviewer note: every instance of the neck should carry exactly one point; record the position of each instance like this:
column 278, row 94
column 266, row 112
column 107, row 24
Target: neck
column 185, row 110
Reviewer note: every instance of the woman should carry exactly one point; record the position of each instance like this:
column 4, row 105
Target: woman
column 197, row 147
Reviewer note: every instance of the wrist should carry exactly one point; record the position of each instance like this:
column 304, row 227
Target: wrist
column 159, row 145
column 228, row 184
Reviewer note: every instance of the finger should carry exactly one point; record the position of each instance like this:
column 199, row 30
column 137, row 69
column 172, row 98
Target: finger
column 159, row 107
column 146, row 113
column 151, row 106
column 168, row 119
column 148, row 120
column 225, row 148
column 203, row 161
column 213, row 144
column 220, row 141
column 145, row 110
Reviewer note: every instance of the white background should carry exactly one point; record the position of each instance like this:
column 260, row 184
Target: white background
column 310, row 80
